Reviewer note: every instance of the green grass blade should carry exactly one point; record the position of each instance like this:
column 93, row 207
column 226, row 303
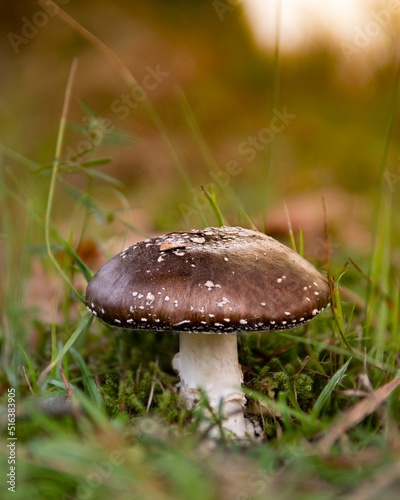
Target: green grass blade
column 212, row 199
column 88, row 381
column 290, row 229
column 328, row 389
column 31, row 372
column 83, row 325
column 19, row 158
column 301, row 242
column 54, row 174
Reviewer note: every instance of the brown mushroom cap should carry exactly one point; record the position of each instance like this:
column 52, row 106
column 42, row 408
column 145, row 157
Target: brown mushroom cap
column 215, row 280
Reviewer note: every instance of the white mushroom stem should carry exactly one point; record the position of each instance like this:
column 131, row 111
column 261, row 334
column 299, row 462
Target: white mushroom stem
column 210, row 362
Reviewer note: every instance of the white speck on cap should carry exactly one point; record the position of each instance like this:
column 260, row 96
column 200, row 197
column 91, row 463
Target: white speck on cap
column 183, row 322
column 198, row 239
column 223, row 302
column 149, row 298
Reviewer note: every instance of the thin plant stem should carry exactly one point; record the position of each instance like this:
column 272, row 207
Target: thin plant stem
column 53, row 179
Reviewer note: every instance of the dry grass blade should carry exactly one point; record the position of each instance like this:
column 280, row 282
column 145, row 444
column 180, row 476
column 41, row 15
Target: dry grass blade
column 356, row 414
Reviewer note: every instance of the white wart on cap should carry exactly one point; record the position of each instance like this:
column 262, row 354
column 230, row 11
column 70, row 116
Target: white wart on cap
column 215, row 280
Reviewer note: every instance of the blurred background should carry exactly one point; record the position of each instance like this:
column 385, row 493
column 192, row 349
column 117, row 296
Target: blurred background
column 268, row 104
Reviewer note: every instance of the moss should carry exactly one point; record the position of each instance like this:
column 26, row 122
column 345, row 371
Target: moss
column 303, row 388
column 109, row 393
column 131, row 392
column 171, row 407
column 296, row 378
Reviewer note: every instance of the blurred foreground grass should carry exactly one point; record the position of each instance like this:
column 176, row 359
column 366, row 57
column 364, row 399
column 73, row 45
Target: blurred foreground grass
column 98, row 414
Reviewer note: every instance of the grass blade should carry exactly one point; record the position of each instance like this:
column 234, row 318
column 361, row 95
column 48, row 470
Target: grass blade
column 212, row 199
column 88, row 381
column 60, row 139
column 84, row 323
column 328, row 389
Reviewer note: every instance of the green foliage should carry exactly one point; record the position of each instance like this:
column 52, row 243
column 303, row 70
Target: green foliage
column 99, row 414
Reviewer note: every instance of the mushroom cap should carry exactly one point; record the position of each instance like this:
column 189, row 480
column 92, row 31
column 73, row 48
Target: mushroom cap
column 214, row 280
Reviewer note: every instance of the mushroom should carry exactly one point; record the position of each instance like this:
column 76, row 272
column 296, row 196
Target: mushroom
column 209, row 285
